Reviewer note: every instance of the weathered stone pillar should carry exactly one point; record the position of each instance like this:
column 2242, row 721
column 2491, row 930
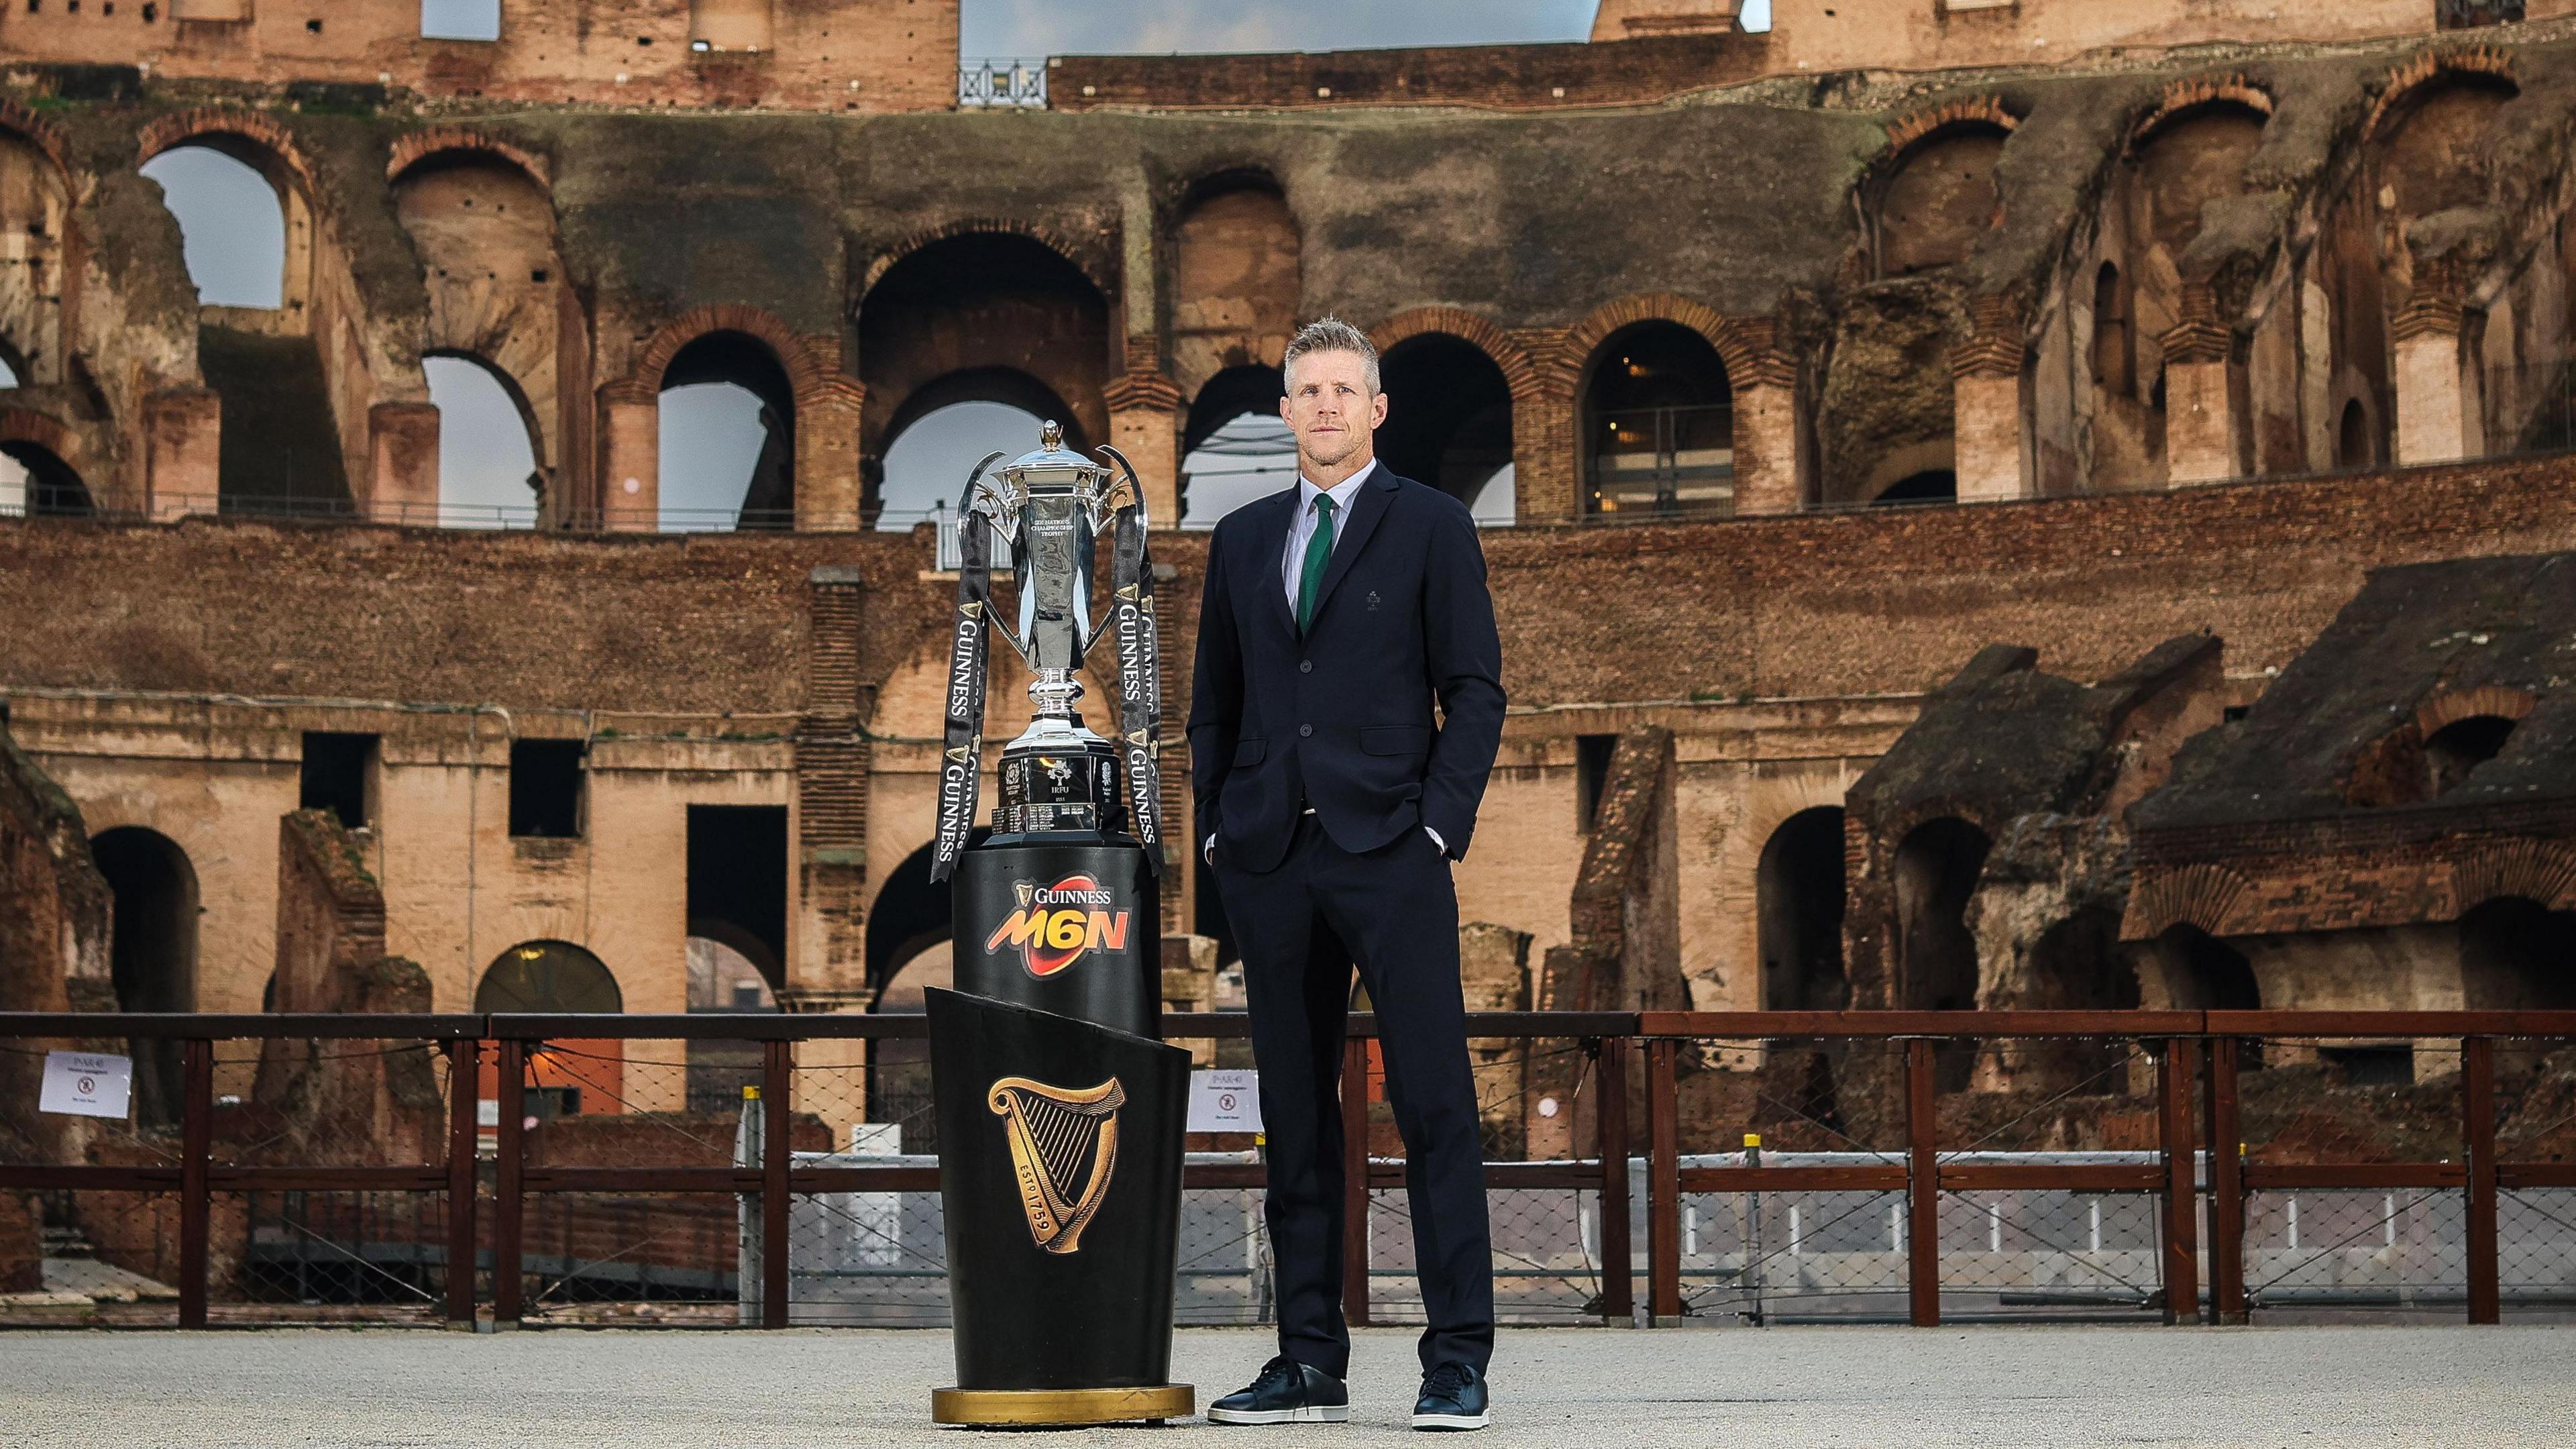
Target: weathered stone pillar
column 2437, row 411
column 2200, row 412
column 630, row 483
column 183, row 452
column 827, row 457
column 1770, row 446
column 1985, row 383
column 402, row 462
column 1145, row 424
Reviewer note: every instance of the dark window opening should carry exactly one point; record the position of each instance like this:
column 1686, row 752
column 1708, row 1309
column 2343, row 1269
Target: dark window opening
column 2461, row 746
column 153, row 952
column 339, row 776
column 2470, row 14
column 2352, row 438
column 2234, row 712
column 1937, row 869
column 548, row 1103
column 2372, row 1066
column 738, row 888
column 1659, row 424
column 1798, row 905
column 2114, row 361
column 1591, row 773
column 1933, row 485
column 313, row 27
column 546, row 788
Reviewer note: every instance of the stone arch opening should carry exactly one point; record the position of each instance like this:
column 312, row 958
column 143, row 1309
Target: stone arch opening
column 728, row 437
column 980, row 304
column 1235, row 447
column 239, row 217
column 488, row 441
column 1931, row 485
column 484, row 230
column 2115, row 358
column 2355, row 447
column 1658, row 423
column 153, row 951
column 1937, row 868
column 35, row 209
column 1448, row 420
column 908, row 951
column 948, row 426
column 1798, row 908
column 566, row 1078
column 36, row 482
column 1236, row 274
column 1938, row 199
column 2428, row 152
column 2461, row 746
column 2516, row 954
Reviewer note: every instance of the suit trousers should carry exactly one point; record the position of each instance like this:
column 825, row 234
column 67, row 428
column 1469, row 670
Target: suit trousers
column 1392, row 912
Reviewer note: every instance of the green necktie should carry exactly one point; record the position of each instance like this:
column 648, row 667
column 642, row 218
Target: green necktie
column 1319, row 552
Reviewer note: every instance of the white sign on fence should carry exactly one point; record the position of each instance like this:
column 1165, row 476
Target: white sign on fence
column 79, row 1084
column 1225, row 1101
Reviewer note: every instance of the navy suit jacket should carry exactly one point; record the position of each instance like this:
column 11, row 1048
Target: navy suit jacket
column 1342, row 718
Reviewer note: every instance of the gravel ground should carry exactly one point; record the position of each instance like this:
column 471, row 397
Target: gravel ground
column 2273, row 1387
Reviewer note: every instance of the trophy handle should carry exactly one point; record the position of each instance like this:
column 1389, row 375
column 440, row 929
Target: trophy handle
column 968, row 516
column 1135, row 492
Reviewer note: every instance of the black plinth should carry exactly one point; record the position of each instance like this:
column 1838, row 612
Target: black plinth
column 1061, row 1125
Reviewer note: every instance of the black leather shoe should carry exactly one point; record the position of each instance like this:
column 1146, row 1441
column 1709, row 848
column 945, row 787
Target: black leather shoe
column 1453, row 1397
column 1288, row 1392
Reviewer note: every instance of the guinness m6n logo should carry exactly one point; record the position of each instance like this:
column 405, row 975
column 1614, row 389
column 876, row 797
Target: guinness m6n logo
column 1056, row 924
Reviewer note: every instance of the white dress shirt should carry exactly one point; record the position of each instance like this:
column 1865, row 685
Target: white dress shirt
column 1292, row 568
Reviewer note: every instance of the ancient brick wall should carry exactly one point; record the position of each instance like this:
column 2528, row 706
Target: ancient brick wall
column 826, row 55
column 1515, row 77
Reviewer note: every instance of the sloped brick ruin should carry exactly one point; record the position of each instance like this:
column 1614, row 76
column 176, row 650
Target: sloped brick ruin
column 2012, row 506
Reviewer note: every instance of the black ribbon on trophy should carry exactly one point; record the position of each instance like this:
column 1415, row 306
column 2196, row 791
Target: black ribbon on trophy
column 961, row 755
column 1064, row 496
column 1140, row 671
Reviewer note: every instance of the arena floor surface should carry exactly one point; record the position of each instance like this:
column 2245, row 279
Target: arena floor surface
column 1920, row 1389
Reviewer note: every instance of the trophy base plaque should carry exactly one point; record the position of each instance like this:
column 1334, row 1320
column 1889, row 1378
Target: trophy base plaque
column 999, row 1407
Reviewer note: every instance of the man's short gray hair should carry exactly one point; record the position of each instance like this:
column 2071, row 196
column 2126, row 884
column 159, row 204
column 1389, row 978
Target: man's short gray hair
column 1331, row 334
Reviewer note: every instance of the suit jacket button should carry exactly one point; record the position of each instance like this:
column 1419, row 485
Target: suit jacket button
column 1303, row 731
column 1305, row 666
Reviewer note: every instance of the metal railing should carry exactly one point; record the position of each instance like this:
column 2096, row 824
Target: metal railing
column 1931, row 1181
column 1664, row 462
column 1002, row 82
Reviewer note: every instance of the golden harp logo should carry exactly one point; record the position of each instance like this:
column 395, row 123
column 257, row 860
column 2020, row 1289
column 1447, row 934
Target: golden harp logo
column 1064, row 1145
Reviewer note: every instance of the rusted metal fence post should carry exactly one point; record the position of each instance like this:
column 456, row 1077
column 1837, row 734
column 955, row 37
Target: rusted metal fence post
column 1355, row 1182
column 464, row 1086
column 2226, row 1186
column 1923, row 1186
column 1663, row 1185
column 509, row 1202
column 2477, row 1104
column 2182, row 1186
column 1610, row 1120
column 775, row 1069
column 196, row 1148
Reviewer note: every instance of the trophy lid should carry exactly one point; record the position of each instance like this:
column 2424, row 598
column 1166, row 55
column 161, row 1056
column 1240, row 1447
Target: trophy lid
column 1052, row 456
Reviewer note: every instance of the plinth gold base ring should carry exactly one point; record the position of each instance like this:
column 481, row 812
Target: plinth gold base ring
column 1062, row 1406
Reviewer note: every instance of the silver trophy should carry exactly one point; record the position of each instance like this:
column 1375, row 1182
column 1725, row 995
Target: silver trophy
column 1048, row 508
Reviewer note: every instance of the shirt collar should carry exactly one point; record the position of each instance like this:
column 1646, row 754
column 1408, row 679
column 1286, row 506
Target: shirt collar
column 1342, row 492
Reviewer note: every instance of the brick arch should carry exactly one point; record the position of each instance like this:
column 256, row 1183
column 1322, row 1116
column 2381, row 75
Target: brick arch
column 414, row 147
column 2429, row 67
column 806, row 373
column 893, row 256
column 1745, row 347
column 1915, row 127
column 2453, row 705
column 1520, row 374
column 180, row 127
column 17, row 117
column 2184, row 96
column 26, row 425
column 2530, row 869
column 2199, row 894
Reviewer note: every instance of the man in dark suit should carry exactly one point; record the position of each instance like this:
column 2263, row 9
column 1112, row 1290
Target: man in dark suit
column 1330, row 806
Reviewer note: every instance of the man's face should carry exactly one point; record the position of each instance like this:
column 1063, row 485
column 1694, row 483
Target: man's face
column 1330, row 408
